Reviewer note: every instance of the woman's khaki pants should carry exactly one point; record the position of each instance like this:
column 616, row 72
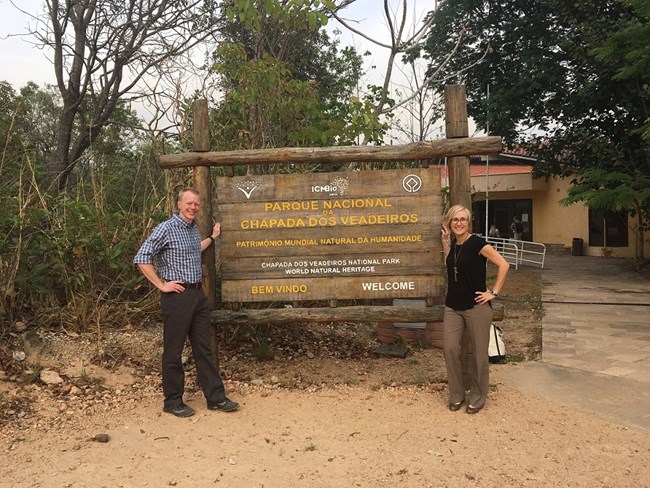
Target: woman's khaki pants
column 477, row 322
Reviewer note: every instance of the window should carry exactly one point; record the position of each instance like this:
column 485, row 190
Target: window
column 607, row 229
column 501, row 213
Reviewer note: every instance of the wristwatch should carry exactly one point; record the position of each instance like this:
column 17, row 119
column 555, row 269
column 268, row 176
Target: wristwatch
column 493, row 292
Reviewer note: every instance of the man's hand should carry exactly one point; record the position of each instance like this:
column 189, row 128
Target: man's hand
column 173, row 287
column 216, row 230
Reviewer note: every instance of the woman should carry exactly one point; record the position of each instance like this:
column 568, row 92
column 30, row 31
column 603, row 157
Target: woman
column 467, row 306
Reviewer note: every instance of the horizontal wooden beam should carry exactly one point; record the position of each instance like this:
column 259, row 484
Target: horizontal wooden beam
column 466, row 146
column 288, row 316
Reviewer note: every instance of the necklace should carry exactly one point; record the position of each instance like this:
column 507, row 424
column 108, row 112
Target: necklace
column 456, row 256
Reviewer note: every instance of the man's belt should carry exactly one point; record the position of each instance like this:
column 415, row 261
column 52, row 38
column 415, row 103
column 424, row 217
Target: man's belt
column 192, row 286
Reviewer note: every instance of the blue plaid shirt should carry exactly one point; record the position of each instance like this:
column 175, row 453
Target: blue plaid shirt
column 176, row 247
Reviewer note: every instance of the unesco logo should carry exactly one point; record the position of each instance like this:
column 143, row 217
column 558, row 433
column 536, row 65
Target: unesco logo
column 412, row 183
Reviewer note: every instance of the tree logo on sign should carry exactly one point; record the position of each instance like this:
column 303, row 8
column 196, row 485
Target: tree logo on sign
column 247, row 187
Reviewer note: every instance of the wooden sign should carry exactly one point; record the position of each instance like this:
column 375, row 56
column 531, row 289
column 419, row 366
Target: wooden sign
column 322, row 236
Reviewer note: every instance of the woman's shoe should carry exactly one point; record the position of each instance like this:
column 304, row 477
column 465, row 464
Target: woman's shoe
column 454, row 407
column 471, row 409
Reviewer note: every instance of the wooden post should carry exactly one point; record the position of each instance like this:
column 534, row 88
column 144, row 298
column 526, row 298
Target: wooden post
column 456, row 127
column 459, row 181
column 203, row 183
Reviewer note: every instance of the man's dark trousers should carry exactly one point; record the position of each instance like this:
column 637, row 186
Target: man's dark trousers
column 187, row 314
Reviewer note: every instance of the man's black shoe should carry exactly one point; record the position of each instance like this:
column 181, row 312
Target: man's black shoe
column 180, row 410
column 225, row 406
column 455, row 407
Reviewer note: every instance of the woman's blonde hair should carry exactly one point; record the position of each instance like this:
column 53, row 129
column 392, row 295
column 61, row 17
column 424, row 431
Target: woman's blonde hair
column 451, row 213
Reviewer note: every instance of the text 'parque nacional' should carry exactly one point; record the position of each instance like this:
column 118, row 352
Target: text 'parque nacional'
column 316, row 205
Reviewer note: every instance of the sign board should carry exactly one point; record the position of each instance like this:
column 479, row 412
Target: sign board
column 322, row 236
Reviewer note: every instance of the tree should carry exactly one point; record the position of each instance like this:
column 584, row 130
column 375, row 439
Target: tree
column 13, row 114
column 632, row 43
column 101, row 50
column 43, row 113
column 547, row 72
column 61, row 252
column 285, row 82
column 402, row 43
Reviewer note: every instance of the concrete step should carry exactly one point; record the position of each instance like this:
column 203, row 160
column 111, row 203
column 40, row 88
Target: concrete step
column 558, row 250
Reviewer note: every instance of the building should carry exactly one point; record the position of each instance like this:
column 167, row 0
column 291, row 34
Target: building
column 505, row 184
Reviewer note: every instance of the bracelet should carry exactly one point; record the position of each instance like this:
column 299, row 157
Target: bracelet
column 493, row 292
column 212, row 239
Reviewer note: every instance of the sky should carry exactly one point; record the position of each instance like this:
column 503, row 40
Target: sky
column 21, row 61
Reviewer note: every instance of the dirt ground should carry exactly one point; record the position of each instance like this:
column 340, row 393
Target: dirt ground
column 325, row 411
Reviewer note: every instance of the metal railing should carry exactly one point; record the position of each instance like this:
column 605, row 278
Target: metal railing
column 519, row 252
column 507, row 249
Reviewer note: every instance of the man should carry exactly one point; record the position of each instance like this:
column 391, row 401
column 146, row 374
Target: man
column 517, row 228
column 176, row 247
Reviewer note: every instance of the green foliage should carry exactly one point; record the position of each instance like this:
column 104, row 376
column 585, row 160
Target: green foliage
column 286, row 84
column 291, row 13
column 576, row 74
column 14, row 112
column 75, row 262
column 65, row 258
column 43, row 109
column 632, row 44
column 540, row 67
column 71, row 248
column 617, row 191
column 611, row 190
column 267, row 108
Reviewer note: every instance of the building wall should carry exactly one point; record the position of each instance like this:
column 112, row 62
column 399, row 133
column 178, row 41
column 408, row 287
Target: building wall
column 553, row 223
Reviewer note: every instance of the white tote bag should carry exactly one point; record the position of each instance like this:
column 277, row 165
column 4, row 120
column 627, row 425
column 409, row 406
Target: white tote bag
column 496, row 348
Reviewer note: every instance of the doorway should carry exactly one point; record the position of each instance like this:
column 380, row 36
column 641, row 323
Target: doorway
column 501, row 213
